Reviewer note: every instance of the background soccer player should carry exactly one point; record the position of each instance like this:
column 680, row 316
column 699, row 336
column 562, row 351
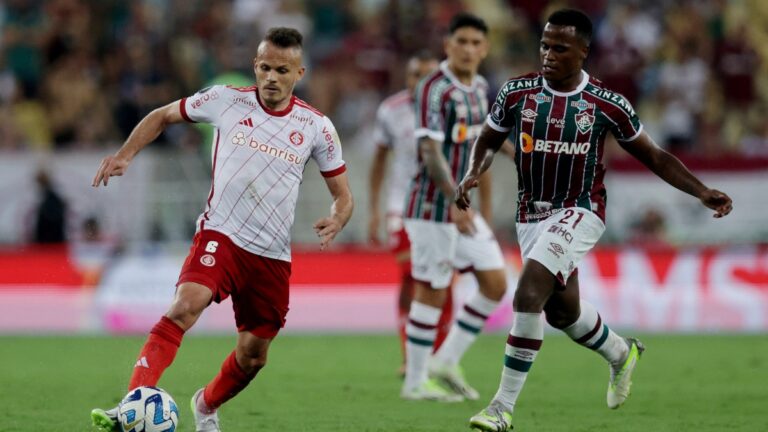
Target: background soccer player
column 264, row 136
column 450, row 107
column 560, row 117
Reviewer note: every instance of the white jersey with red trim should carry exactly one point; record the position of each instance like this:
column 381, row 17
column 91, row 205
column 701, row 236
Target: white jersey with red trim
column 259, row 157
column 395, row 120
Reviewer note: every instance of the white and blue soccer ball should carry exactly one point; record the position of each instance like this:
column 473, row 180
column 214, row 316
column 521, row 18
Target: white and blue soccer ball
column 148, row 409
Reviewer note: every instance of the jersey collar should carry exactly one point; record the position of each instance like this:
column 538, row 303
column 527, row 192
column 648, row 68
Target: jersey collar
column 578, row 89
column 282, row 113
column 447, row 71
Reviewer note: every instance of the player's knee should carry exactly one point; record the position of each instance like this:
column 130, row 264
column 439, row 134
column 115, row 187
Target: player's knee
column 559, row 320
column 528, row 299
column 251, row 365
column 184, row 312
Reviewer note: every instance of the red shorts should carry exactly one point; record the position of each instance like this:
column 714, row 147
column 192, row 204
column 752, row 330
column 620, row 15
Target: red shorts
column 258, row 285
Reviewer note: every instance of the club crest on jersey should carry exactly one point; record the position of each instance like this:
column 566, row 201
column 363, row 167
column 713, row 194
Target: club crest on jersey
column 297, row 138
column 584, row 121
column 208, row 260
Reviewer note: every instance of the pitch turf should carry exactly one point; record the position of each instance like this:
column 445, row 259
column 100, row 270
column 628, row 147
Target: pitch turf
column 349, row 383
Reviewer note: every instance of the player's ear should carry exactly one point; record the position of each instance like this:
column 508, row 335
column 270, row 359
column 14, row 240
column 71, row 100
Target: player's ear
column 301, row 73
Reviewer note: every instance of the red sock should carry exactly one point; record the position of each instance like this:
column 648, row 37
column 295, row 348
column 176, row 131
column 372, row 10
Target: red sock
column 157, row 354
column 227, row 384
column 446, row 319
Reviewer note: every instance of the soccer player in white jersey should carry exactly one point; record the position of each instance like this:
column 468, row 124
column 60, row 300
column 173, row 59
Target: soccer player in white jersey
column 264, row 138
column 560, row 117
column 451, row 104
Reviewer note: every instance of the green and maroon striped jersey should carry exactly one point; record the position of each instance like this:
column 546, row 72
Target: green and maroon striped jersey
column 559, row 141
column 452, row 114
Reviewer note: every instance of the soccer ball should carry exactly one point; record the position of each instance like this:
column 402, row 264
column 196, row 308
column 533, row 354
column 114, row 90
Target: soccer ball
column 148, row 409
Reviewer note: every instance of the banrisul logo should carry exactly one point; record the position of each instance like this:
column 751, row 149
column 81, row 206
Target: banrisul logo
column 581, row 105
column 541, row 98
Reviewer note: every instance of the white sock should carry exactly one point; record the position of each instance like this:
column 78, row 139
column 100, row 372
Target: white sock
column 523, row 345
column 465, row 328
column 420, row 331
column 590, row 331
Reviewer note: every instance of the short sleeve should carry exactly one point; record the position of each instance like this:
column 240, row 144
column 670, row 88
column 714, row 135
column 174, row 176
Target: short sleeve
column 326, row 150
column 203, row 106
column 626, row 123
column 431, row 108
column 381, row 132
column 500, row 117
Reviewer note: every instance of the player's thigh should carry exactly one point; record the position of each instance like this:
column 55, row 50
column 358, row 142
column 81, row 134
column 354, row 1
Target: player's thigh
column 479, row 252
column 260, row 298
column 563, row 239
column 433, row 250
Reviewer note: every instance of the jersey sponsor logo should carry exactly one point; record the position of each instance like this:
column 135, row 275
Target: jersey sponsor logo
column 584, row 121
column 562, row 232
column 562, row 147
column 208, row 260
column 614, row 97
column 239, row 139
column 202, row 98
column 540, row 98
column 461, row 132
column 582, row 105
column 302, row 118
column 520, row 84
column 526, row 142
column 331, row 139
column 558, row 123
column 246, row 122
column 497, row 112
column 296, row 138
column 529, row 115
column 245, row 101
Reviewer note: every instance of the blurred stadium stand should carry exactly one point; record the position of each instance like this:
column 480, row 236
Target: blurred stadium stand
column 77, row 75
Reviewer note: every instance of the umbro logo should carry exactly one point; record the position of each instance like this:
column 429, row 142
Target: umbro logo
column 247, row 122
column 529, row 115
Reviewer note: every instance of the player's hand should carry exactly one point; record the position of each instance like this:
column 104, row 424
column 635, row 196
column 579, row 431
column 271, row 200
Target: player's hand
column 463, row 219
column 373, row 228
column 326, row 229
column 462, row 191
column 110, row 166
column 717, row 201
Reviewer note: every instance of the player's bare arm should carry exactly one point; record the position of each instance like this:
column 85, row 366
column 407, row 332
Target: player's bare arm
column 485, row 189
column 674, row 172
column 440, row 173
column 376, row 178
column 486, row 146
column 341, row 210
column 148, row 129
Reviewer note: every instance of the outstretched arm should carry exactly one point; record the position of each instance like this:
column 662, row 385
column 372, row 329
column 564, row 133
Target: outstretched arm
column 375, row 179
column 148, row 129
column 672, row 171
column 487, row 144
column 341, row 210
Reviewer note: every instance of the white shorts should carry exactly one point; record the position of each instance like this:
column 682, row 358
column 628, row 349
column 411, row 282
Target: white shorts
column 560, row 241
column 438, row 248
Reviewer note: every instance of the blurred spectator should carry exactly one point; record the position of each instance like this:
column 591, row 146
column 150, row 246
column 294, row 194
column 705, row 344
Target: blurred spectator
column 50, row 215
column 649, row 230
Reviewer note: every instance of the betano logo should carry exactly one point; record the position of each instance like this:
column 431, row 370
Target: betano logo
column 528, row 145
column 461, row 132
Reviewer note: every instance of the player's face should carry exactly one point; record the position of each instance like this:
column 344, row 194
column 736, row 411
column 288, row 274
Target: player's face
column 562, row 52
column 466, row 48
column 416, row 70
column 277, row 71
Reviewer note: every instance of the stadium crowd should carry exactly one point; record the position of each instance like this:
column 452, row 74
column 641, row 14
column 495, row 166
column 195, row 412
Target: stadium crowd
column 80, row 73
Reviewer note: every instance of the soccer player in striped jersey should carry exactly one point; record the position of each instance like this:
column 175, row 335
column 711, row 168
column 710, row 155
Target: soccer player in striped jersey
column 559, row 118
column 451, row 104
column 264, row 138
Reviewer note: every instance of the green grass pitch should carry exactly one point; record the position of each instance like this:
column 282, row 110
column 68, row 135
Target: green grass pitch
column 349, row 383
